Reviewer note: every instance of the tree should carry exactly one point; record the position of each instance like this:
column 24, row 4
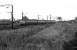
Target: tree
column 59, row 18
column 75, row 20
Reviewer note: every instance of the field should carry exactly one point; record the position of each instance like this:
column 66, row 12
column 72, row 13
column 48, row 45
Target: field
column 55, row 36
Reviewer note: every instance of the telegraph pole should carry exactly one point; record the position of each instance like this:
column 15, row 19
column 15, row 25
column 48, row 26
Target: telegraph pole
column 11, row 11
column 12, row 16
column 22, row 15
column 47, row 17
column 50, row 17
column 38, row 17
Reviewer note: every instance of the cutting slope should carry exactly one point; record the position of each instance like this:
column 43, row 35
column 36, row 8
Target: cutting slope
column 57, row 34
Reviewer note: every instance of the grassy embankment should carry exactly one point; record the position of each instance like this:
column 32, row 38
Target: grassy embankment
column 29, row 38
column 17, row 37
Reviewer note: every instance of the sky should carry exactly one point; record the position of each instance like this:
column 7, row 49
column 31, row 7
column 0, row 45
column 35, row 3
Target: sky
column 67, row 9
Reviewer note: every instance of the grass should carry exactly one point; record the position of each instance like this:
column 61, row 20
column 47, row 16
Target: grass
column 23, row 38
column 66, row 34
column 16, row 38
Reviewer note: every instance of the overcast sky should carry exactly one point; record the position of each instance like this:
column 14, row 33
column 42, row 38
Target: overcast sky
column 67, row 9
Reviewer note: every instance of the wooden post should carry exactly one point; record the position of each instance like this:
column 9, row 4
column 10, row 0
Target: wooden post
column 50, row 17
column 38, row 17
column 47, row 17
column 22, row 15
column 11, row 12
column 12, row 16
